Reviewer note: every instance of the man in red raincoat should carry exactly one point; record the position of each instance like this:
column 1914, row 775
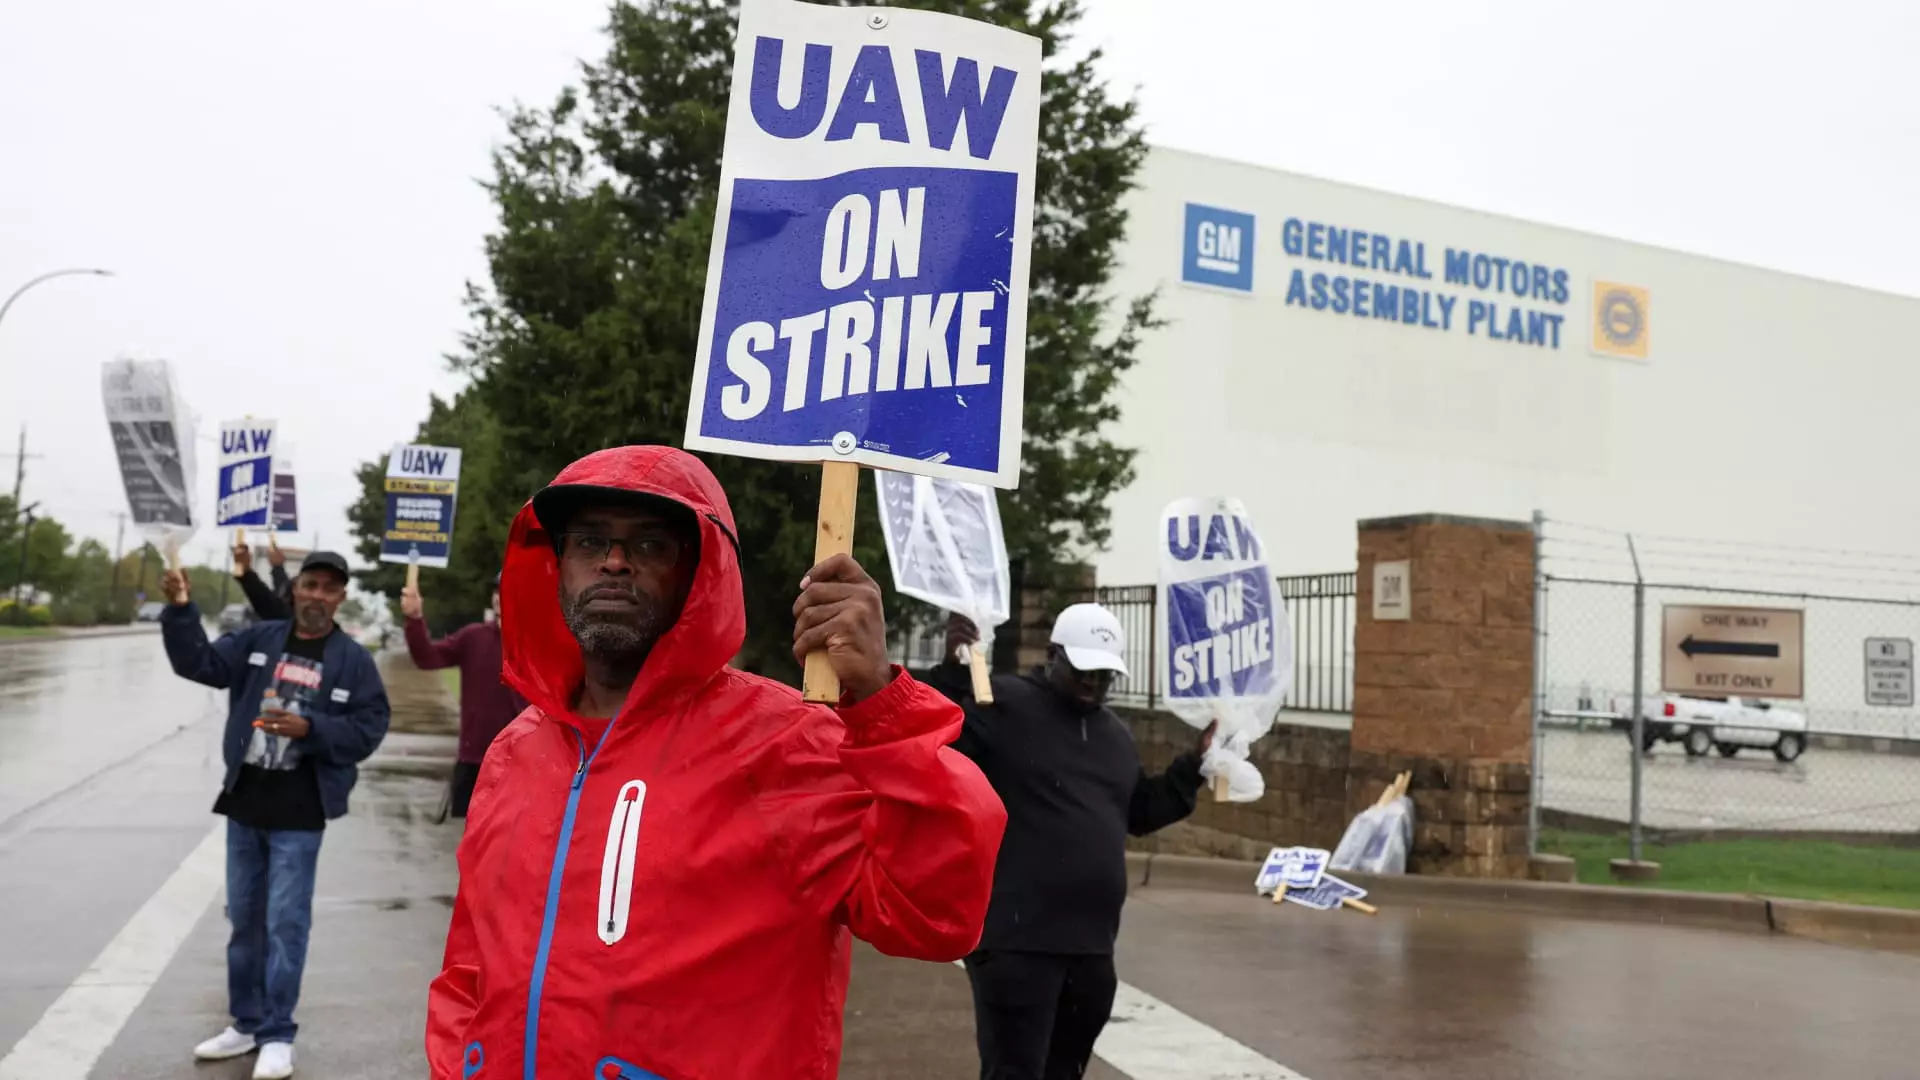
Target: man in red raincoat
column 665, row 856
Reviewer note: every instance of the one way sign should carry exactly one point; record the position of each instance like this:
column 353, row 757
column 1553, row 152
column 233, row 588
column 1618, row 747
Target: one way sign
column 1732, row 651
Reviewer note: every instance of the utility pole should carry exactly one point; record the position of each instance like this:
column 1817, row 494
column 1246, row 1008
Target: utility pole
column 20, row 467
column 20, row 584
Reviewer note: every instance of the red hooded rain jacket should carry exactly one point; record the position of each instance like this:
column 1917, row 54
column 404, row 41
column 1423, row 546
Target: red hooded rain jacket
column 675, row 900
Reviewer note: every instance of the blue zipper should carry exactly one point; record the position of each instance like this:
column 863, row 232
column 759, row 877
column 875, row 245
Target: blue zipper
column 552, row 913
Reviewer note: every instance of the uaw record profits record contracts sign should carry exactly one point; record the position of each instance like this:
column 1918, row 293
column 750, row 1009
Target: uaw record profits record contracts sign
column 867, row 286
column 1732, row 651
column 423, row 483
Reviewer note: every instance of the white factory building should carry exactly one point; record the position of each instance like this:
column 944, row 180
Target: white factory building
column 1334, row 353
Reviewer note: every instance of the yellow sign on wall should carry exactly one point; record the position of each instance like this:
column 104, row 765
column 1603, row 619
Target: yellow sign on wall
column 1621, row 320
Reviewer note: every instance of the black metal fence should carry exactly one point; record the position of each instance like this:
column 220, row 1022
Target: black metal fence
column 1319, row 611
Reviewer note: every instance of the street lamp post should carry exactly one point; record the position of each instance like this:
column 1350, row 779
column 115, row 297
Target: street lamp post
column 49, row 276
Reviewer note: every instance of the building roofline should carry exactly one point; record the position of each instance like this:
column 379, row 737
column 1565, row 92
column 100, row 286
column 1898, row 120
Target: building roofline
column 1164, row 148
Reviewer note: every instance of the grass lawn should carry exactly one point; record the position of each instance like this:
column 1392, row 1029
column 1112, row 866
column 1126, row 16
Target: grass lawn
column 1801, row 869
column 450, row 676
column 27, row 631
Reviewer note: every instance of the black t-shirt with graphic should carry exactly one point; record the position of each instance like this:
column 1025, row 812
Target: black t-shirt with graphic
column 277, row 787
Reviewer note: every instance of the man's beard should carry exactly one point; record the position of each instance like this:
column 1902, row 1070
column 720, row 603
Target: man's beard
column 621, row 640
column 312, row 619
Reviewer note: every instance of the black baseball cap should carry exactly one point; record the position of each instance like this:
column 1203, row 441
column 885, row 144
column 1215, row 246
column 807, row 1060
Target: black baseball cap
column 326, row 560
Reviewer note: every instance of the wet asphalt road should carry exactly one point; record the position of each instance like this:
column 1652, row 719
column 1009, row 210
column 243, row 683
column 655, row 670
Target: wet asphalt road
column 122, row 763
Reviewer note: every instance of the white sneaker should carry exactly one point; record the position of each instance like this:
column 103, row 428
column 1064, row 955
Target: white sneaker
column 227, row 1044
column 275, row 1062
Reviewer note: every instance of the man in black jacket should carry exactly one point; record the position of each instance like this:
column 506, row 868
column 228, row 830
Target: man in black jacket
column 1071, row 779
column 268, row 602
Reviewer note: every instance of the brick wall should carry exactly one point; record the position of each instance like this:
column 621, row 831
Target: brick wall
column 1456, row 680
column 1306, row 800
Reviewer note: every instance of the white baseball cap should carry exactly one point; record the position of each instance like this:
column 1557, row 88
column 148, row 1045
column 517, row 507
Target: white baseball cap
column 1092, row 638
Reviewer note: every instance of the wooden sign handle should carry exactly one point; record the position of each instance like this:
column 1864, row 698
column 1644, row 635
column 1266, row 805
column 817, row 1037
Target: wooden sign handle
column 413, row 576
column 982, row 678
column 1220, row 787
column 839, row 497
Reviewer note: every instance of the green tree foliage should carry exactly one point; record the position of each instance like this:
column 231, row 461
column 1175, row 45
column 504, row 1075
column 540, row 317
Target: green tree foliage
column 81, row 578
column 584, row 337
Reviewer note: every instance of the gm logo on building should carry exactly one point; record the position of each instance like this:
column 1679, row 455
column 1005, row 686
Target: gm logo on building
column 1219, row 248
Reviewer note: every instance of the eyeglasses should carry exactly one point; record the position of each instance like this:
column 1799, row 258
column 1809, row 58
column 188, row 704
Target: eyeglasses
column 649, row 548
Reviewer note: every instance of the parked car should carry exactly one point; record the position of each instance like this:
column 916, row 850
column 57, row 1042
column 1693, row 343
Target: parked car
column 149, row 611
column 1728, row 725
column 235, row 617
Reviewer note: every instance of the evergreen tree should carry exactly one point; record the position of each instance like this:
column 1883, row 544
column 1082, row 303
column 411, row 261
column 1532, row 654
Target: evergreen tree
column 584, row 337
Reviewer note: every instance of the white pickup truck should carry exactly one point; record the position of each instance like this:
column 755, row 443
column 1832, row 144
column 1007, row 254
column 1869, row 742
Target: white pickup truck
column 1727, row 725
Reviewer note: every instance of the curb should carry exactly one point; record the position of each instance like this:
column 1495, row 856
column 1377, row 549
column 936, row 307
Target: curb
column 1887, row 929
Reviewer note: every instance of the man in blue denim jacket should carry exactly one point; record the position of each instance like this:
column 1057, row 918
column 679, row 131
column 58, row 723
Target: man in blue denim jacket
column 305, row 705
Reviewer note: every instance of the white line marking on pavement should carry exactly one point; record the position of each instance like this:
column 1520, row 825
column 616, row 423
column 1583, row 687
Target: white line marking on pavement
column 1149, row 1039
column 79, row 1026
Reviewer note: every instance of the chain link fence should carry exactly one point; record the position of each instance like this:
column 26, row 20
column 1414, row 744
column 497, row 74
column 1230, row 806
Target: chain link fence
column 1836, row 756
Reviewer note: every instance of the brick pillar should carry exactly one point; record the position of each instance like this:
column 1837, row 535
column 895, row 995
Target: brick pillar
column 1443, row 687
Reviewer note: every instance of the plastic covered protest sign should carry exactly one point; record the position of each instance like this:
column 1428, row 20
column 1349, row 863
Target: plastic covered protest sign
column 153, row 439
column 1226, row 641
column 946, row 547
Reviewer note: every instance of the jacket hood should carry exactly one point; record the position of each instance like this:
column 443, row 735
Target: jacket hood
column 539, row 655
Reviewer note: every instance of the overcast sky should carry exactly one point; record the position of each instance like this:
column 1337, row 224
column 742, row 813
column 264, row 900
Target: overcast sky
column 289, row 194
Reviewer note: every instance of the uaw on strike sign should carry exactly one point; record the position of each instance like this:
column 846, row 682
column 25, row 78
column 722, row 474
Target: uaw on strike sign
column 423, row 484
column 866, row 290
column 1228, row 641
column 245, row 496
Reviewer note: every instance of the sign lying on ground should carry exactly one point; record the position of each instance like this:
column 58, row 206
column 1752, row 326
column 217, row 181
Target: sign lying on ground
column 1326, row 894
column 246, row 474
column 153, row 438
column 867, row 286
column 1732, row 651
column 1229, row 644
column 1890, row 672
column 423, row 484
column 1291, row 868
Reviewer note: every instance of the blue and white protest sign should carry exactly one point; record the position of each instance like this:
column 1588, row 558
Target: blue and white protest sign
column 1228, row 645
column 1326, row 894
column 153, row 438
column 867, row 285
column 245, row 493
column 423, row 485
column 1291, row 868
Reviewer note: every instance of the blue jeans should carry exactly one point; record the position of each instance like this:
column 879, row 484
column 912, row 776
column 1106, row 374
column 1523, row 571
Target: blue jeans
column 270, row 904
